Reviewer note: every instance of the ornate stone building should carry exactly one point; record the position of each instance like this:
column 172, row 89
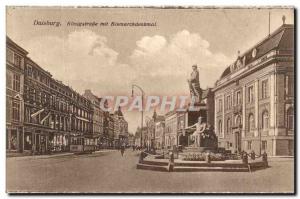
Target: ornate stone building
column 254, row 97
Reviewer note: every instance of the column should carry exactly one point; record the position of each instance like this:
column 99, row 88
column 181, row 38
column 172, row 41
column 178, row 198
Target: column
column 223, row 115
column 256, row 112
column 244, row 111
column 55, row 121
column 18, row 140
column 215, row 115
column 272, row 104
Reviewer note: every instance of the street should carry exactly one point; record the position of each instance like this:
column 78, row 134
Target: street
column 110, row 172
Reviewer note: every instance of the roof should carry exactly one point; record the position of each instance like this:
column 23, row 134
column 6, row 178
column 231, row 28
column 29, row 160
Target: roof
column 282, row 38
column 39, row 67
column 10, row 41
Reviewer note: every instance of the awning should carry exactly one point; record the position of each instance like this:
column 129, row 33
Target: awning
column 36, row 113
column 42, row 121
column 81, row 118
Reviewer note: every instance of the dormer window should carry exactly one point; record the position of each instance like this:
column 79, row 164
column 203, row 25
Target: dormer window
column 254, row 52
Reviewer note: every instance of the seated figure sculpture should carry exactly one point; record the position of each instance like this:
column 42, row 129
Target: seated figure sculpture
column 203, row 135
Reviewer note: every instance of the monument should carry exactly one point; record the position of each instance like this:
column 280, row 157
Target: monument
column 201, row 133
column 194, row 85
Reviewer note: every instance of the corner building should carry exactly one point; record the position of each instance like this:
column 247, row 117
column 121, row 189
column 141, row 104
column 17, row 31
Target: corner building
column 254, row 98
column 15, row 61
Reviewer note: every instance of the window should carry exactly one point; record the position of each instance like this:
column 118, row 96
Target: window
column 220, row 106
column 27, row 115
column 34, row 72
column 16, row 83
column 288, row 85
column 9, row 56
column 290, row 119
column 251, row 122
column 265, row 120
column 228, row 124
column 238, row 121
column 249, row 145
column 29, row 70
column 9, row 79
column 250, row 94
column 16, row 111
column 220, row 127
column 13, row 140
column 17, row 60
column 264, row 89
column 227, row 145
column 238, row 98
column 264, row 145
column 228, row 102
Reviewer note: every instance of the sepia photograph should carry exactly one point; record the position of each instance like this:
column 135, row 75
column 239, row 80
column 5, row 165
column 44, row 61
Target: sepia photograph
column 149, row 100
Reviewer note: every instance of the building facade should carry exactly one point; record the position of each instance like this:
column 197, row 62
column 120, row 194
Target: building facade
column 171, row 135
column 98, row 117
column 160, row 133
column 110, row 129
column 254, row 98
column 120, row 128
column 43, row 114
column 15, row 62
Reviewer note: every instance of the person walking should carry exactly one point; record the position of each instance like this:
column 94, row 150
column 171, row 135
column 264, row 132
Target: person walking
column 122, row 150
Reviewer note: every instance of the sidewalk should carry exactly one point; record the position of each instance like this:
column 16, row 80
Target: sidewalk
column 28, row 157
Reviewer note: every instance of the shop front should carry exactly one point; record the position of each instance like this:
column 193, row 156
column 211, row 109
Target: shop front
column 59, row 142
column 14, row 138
column 36, row 140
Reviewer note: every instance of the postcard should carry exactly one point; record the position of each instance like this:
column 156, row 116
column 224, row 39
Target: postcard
column 186, row 100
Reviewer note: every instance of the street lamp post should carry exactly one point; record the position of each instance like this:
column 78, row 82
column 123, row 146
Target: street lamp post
column 143, row 93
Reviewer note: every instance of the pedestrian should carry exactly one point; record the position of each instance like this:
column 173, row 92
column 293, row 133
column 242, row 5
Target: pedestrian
column 33, row 149
column 122, row 150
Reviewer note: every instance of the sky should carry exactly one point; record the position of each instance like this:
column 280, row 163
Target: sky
column 108, row 60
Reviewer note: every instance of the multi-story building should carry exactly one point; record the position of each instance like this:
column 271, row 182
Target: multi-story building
column 38, row 101
column 110, row 129
column 15, row 61
column 171, row 136
column 97, row 115
column 123, row 135
column 120, row 128
column 56, row 116
column 160, row 132
column 254, row 97
column 43, row 114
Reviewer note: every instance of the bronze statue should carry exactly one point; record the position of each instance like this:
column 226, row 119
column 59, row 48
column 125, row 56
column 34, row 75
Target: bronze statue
column 194, row 85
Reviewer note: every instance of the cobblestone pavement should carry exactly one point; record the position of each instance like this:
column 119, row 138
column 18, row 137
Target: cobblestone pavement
column 110, row 172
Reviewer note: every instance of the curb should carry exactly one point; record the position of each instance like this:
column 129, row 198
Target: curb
column 51, row 156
